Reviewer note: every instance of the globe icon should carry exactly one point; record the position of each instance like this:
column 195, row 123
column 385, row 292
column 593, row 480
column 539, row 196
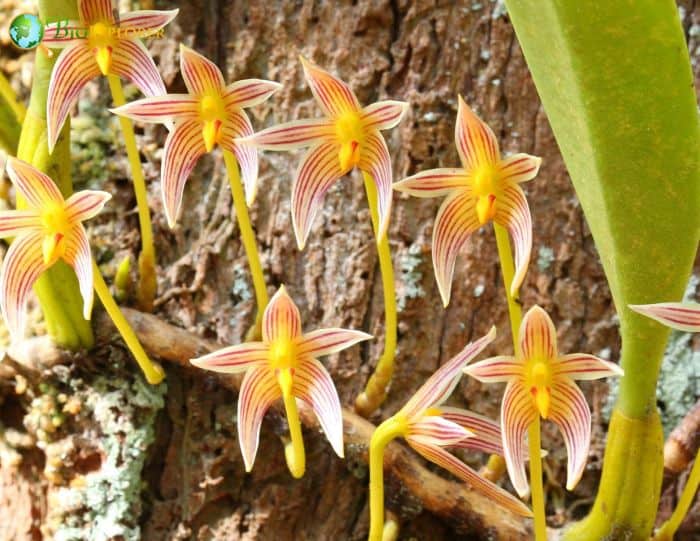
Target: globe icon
column 26, row 31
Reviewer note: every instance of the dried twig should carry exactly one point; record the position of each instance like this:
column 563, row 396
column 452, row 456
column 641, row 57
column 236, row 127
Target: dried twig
column 683, row 443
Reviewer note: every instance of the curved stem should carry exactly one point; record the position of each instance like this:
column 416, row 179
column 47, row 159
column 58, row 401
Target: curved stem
column 147, row 285
column 153, row 372
column 294, row 450
column 669, row 528
column 375, row 391
column 249, row 244
column 390, row 429
column 536, row 480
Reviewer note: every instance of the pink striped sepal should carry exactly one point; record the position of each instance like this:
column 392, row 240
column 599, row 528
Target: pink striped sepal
column 485, row 188
column 100, row 43
column 210, row 113
column 284, row 348
column 430, row 426
column 682, row 316
column 347, row 137
column 541, row 382
column 48, row 229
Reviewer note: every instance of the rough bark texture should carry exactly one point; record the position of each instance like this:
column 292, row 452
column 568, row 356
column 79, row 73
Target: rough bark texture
column 173, row 457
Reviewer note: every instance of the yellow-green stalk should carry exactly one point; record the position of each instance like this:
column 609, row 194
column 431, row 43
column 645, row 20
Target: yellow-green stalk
column 375, row 391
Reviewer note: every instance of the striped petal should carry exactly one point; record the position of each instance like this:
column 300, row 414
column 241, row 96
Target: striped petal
column 259, row 390
column 519, row 168
column 486, row 433
column 281, row 319
column 161, row 109
column 144, row 23
column 434, row 430
column 85, row 204
column 375, row 160
column 476, row 143
column 383, row 115
column 234, row 359
column 683, row 316
column 38, row 189
column 318, row 170
column 22, row 266
column 455, row 221
column 334, row 96
column 183, row 147
column 313, row 385
column 293, row 135
column 582, row 366
column 513, row 213
column 95, row 11
column 495, row 369
column 74, row 68
column 517, row 413
column 201, row 75
column 249, row 92
column 17, row 222
column 571, row 413
column 537, row 336
column 433, row 182
column 132, row 61
column 327, row 341
column 57, row 35
column 238, row 125
column 459, row 469
column 441, row 384
column 79, row 256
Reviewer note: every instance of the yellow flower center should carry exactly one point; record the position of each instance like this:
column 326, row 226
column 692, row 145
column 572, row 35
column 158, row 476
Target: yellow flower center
column 485, row 187
column 212, row 113
column 101, row 41
column 539, row 382
column 351, row 135
column 283, row 354
column 56, row 226
column 433, row 412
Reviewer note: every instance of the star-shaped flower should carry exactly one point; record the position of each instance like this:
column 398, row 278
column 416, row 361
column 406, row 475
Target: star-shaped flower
column 541, row 382
column 347, row 137
column 485, row 188
column 100, row 43
column 284, row 365
column 47, row 230
column 211, row 113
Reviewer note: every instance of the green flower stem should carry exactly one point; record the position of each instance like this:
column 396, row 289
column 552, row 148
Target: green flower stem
column 147, row 284
column 515, row 311
column 153, row 371
column 390, row 429
column 249, row 243
column 57, row 289
column 670, row 527
column 12, row 113
column 375, row 391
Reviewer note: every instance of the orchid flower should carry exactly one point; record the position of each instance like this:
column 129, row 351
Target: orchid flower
column 284, row 365
column 682, row 316
column 541, row 382
column 100, row 43
column 210, row 113
column 346, row 138
column 485, row 188
column 428, row 427
column 48, row 229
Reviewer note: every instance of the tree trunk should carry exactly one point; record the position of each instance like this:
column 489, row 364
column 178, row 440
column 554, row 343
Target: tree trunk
column 92, row 452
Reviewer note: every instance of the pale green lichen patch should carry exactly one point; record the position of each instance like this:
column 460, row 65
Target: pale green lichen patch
column 411, row 276
column 545, row 258
column 93, row 134
column 106, row 503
